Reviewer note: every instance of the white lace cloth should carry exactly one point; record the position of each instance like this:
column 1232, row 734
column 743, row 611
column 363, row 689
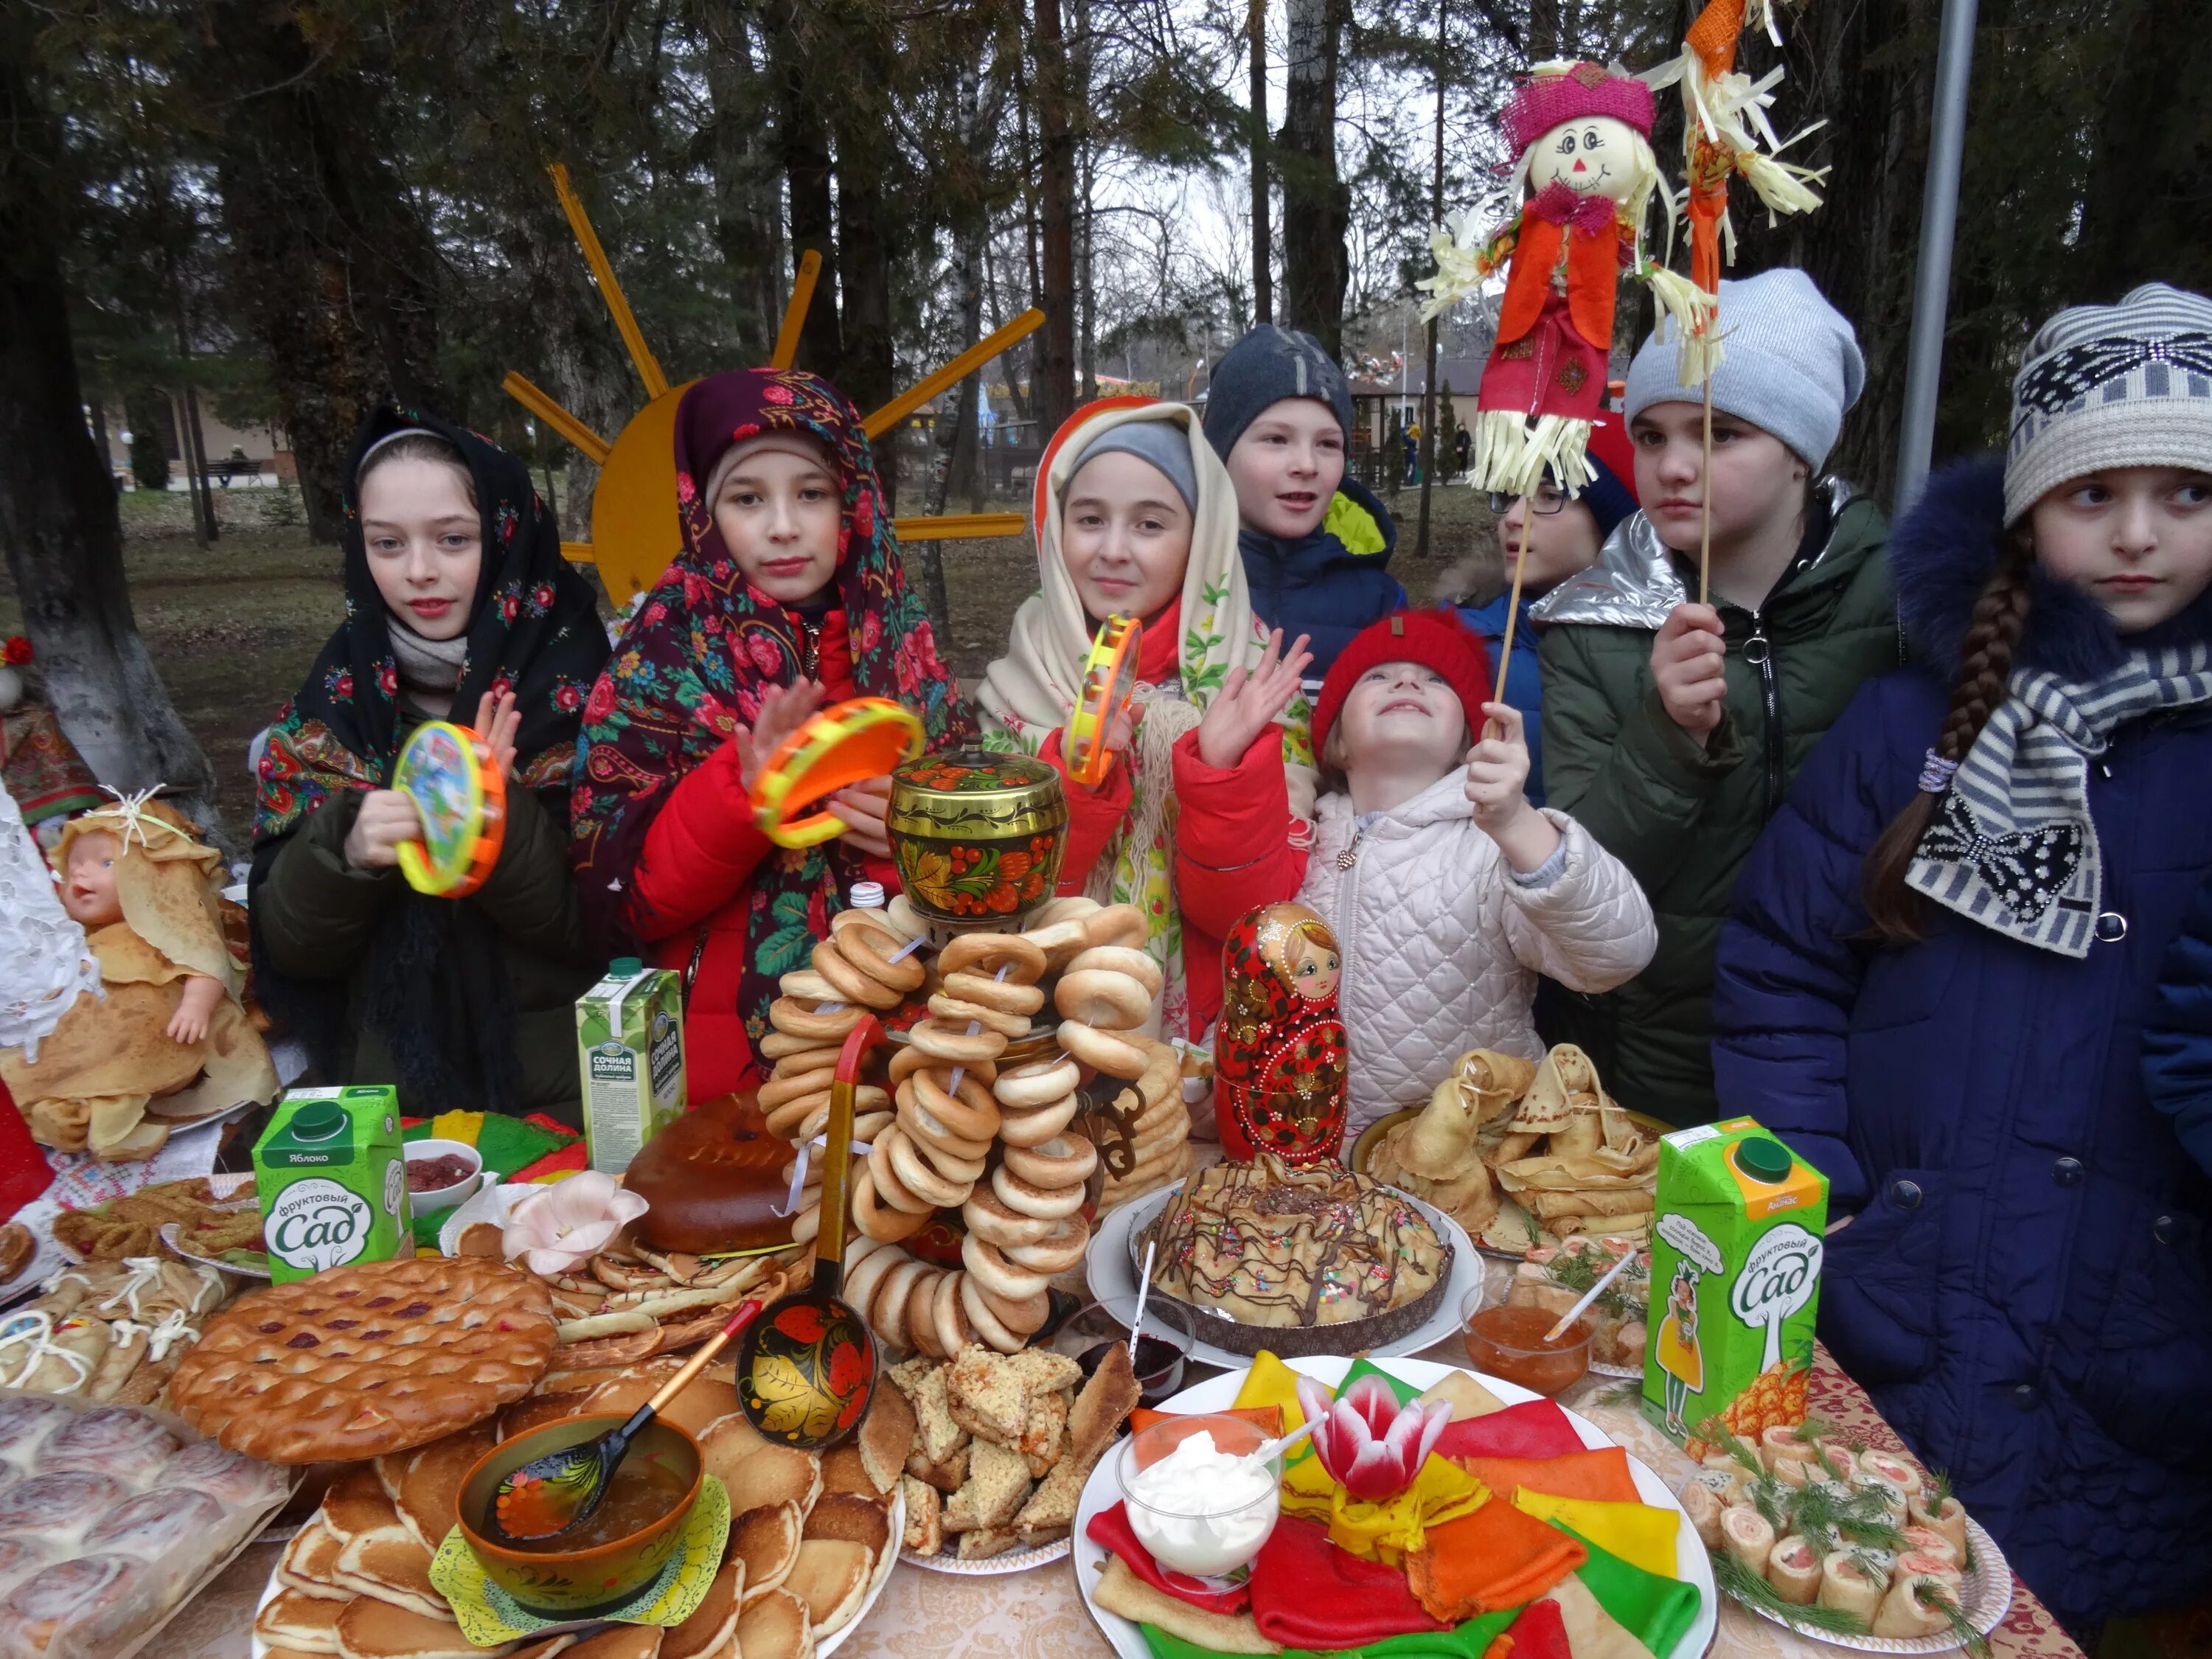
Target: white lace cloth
column 44, row 960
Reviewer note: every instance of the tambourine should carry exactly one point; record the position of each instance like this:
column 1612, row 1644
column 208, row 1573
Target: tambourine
column 1110, row 685
column 447, row 770
column 846, row 744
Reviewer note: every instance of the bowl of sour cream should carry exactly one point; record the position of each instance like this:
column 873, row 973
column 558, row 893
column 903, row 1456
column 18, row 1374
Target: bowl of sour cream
column 1195, row 1497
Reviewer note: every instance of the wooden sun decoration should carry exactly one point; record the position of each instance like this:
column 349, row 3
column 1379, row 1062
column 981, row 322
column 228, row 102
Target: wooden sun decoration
column 635, row 532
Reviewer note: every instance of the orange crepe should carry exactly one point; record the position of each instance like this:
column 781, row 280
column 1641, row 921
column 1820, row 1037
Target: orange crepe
column 1268, row 1419
column 1494, row 1559
column 1601, row 1475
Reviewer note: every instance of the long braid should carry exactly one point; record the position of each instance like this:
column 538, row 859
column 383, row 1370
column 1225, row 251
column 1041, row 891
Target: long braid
column 1993, row 632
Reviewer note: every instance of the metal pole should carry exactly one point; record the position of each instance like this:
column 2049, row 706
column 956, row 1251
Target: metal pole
column 1939, row 223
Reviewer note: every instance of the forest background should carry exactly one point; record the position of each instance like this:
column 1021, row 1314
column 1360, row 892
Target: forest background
column 290, row 209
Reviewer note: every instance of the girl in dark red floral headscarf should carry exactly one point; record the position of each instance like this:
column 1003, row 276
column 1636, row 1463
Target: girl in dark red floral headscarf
column 789, row 593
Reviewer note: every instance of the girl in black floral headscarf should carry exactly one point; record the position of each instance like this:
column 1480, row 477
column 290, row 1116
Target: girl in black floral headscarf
column 458, row 605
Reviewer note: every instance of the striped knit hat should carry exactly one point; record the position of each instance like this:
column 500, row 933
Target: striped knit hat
column 2129, row 384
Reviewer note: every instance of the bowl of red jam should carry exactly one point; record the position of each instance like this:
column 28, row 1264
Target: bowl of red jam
column 441, row 1173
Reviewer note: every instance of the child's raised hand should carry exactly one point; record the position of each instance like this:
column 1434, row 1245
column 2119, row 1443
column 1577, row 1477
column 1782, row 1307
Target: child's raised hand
column 783, row 710
column 498, row 719
column 386, row 819
column 195, row 1009
column 1246, row 702
column 1496, row 782
column 864, row 806
column 1689, row 658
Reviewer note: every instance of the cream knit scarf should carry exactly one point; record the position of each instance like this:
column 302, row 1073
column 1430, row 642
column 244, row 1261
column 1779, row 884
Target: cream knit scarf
column 1028, row 693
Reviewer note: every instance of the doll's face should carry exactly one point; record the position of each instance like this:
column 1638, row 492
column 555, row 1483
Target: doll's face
column 780, row 510
column 1287, row 465
column 89, row 880
column 2137, row 539
column 1313, row 966
column 425, row 540
column 1124, row 535
column 1593, row 156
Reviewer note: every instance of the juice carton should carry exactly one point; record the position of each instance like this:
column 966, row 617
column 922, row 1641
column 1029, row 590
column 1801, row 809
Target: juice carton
column 332, row 1176
column 629, row 1054
column 1736, row 1253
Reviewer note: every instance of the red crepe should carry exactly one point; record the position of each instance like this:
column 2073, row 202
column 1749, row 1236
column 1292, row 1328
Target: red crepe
column 1110, row 1529
column 1540, row 1633
column 1601, row 1474
column 1535, row 1428
column 1307, row 1593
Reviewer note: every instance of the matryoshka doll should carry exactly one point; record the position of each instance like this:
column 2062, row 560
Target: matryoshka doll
column 1280, row 1049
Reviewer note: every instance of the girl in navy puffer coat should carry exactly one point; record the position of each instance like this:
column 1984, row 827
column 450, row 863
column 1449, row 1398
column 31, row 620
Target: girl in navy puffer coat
column 1940, row 957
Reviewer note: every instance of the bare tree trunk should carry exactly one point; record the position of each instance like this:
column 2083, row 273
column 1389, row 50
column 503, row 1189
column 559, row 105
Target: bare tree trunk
column 1429, row 449
column 747, row 201
column 1055, row 390
column 2147, row 211
column 867, row 216
column 196, row 442
column 805, row 143
column 1263, row 274
column 1316, row 204
column 57, row 513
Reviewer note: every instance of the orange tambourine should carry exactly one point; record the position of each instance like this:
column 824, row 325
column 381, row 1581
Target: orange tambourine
column 447, row 771
column 1110, row 685
column 843, row 745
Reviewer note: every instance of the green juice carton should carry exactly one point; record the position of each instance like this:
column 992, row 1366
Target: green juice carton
column 1735, row 1282
column 629, row 1057
column 331, row 1175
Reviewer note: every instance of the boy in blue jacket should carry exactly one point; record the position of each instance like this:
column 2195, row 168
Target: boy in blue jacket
column 1317, row 543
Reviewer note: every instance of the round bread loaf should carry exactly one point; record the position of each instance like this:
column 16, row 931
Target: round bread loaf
column 713, row 1178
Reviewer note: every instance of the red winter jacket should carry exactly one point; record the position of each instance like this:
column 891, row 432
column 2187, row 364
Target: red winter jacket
column 690, row 892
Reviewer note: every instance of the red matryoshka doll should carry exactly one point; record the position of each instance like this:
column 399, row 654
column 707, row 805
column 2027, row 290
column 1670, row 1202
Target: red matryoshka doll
column 1279, row 1053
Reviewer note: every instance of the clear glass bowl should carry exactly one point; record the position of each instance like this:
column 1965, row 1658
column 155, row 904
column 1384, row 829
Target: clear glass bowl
column 1221, row 1527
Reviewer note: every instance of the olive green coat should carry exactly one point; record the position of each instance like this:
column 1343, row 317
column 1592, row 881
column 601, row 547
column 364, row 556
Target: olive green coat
column 1680, row 815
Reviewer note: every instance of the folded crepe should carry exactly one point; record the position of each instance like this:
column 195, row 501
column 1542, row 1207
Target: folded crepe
column 1637, row 1533
column 1473, row 1639
column 1495, row 1558
column 1592, row 1632
column 1656, row 1611
column 1534, row 1428
column 1602, row 1473
column 1120, row 1590
column 1306, row 1593
column 1540, row 1632
column 1110, row 1530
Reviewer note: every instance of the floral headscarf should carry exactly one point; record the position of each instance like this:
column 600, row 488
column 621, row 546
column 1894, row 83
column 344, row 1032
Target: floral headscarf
column 704, row 646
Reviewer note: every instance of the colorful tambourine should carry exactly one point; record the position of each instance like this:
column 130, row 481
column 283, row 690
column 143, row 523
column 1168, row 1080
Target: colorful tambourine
column 1110, row 685
column 839, row 746
column 447, row 771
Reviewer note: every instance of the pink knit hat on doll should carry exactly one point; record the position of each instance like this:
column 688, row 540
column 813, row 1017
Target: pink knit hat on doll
column 1547, row 101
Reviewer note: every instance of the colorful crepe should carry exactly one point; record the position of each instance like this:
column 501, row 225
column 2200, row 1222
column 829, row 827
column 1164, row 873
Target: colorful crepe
column 515, row 1149
column 1307, row 1593
column 1110, row 1530
column 1494, row 1559
column 1386, row 1530
column 1535, row 1428
column 1272, row 1383
column 1471, row 1640
column 1658, row 1612
column 1539, row 1633
column 1268, row 1419
column 1601, row 1474
column 1637, row 1532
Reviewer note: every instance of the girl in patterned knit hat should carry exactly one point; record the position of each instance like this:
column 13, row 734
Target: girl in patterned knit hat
column 1941, row 956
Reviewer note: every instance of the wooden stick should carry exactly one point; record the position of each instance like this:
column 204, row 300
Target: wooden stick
column 1705, row 496
column 965, row 364
column 542, row 404
column 1513, row 604
column 641, row 355
column 795, row 309
column 959, row 527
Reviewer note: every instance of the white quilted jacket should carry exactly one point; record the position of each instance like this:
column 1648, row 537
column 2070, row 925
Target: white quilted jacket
column 1442, row 948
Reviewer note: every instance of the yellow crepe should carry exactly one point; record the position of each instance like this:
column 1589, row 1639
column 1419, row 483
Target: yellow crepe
column 1386, row 1531
column 1271, row 1382
column 1637, row 1533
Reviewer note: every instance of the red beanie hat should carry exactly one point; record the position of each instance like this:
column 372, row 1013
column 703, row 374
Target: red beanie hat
column 1435, row 639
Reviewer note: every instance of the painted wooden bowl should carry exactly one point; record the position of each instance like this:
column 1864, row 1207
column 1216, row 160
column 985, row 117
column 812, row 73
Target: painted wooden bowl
column 978, row 836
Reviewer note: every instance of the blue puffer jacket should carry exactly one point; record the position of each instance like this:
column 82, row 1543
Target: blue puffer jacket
column 1524, row 679
column 2025, row 1288
column 1329, row 585
column 2178, row 1041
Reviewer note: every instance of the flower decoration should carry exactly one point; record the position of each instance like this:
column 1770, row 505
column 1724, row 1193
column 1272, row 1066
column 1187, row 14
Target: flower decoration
column 1371, row 1445
column 15, row 651
column 565, row 1225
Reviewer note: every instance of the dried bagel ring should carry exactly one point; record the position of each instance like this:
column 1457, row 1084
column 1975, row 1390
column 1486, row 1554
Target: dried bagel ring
column 789, row 1120
column 1117, row 924
column 1060, row 942
column 954, row 1333
column 952, row 1011
column 1004, row 994
column 1070, row 906
column 907, row 1059
column 1063, row 1161
column 789, row 1015
column 1030, row 1199
column 1110, row 1051
column 1110, row 1001
column 954, row 1046
column 927, row 1131
column 921, row 1316
column 1039, row 1082
column 887, row 1309
column 994, row 1272
column 986, row 953
column 915, row 1174
column 961, row 1171
column 878, row 1220
column 782, row 1045
column 859, row 1287
column 902, row 914
column 829, row 962
column 1021, row 1316
column 972, row 1114
column 869, row 942
column 989, row 1327
column 809, row 986
column 1138, row 964
column 1056, row 1252
column 789, row 1087
column 806, row 1225
column 1032, row 1126
column 1163, row 1079
column 989, row 1218
column 889, row 1187
column 868, row 1125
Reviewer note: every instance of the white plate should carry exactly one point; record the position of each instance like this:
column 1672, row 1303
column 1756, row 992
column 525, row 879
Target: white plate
column 991, row 1566
column 1217, row 1394
column 1106, row 1270
column 1985, row 1599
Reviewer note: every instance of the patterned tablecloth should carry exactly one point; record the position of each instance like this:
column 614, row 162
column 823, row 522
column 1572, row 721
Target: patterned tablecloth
column 1040, row 1614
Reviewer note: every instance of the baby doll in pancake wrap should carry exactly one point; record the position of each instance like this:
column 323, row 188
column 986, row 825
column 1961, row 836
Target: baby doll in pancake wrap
column 1280, row 1049
column 168, row 1041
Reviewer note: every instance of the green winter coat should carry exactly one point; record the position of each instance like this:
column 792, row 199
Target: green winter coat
column 317, row 917
column 1683, row 817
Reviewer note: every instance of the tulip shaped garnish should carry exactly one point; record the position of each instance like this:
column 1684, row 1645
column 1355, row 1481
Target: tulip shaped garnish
column 1371, row 1445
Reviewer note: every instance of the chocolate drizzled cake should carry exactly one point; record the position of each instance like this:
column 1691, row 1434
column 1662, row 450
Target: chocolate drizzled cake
column 1296, row 1249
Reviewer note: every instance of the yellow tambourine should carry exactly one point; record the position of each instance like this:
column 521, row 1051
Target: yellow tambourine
column 1110, row 685
column 447, row 771
column 846, row 744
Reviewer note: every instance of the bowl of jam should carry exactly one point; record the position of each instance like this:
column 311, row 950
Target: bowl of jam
column 441, row 1173
column 614, row 1551
column 1509, row 1342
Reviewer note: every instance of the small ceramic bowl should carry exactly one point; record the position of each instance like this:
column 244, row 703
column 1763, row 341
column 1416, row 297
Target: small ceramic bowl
column 444, row 1198
column 572, row 1584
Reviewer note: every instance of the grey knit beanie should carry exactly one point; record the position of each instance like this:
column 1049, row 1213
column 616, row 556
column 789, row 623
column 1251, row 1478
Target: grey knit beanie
column 1790, row 363
column 2129, row 384
column 1266, row 366
column 1162, row 443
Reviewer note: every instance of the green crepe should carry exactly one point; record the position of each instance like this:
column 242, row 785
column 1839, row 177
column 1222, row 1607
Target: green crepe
column 1408, row 1393
column 1657, row 1612
column 1468, row 1641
